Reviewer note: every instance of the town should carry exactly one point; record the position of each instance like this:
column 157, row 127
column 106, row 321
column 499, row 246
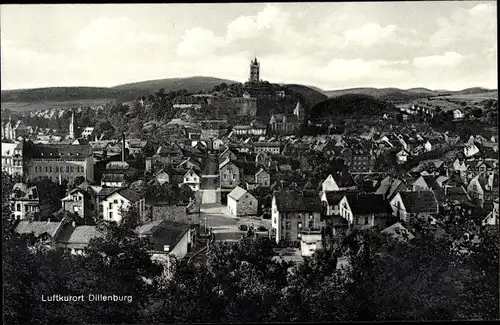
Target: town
column 254, row 201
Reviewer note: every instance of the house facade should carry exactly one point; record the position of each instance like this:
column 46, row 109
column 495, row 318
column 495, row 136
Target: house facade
column 122, row 200
column 294, row 213
column 24, row 200
column 240, row 202
column 263, row 178
column 192, row 179
column 364, row 210
column 406, row 205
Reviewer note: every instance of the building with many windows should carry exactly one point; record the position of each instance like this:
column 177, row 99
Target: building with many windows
column 59, row 161
column 295, row 213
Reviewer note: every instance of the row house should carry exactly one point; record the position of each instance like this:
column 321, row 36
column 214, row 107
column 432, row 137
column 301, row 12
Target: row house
column 254, row 129
column 480, row 166
column 234, row 172
column 296, row 218
column 268, row 147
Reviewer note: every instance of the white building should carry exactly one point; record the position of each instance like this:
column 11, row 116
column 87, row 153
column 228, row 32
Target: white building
column 240, row 202
column 117, row 202
column 192, row 180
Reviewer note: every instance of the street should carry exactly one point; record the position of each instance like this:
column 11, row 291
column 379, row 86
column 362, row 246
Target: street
column 219, row 219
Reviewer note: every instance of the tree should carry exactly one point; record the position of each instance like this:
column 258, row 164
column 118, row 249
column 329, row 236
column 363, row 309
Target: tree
column 77, row 181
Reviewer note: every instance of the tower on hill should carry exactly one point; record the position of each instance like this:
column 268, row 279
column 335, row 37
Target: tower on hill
column 254, row 71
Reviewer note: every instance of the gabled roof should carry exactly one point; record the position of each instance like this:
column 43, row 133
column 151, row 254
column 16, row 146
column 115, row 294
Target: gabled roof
column 418, row 202
column 78, row 237
column 367, row 203
column 37, row 227
column 389, row 186
column 237, row 193
column 333, row 198
column 343, row 179
column 288, row 201
column 127, row 193
column 163, row 233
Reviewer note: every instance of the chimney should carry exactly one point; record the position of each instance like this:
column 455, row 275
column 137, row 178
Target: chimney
column 73, row 224
column 166, row 248
column 48, row 220
column 123, row 147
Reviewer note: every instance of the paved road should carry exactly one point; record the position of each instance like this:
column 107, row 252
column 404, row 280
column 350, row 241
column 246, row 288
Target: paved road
column 218, row 216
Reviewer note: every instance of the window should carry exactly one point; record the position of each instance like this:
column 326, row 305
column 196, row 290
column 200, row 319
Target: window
column 110, row 205
column 71, row 168
column 115, row 201
column 225, row 176
column 366, row 220
column 57, row 169
column 311, row 224
column 121, row 201
column 110, row 215
column 100, row 208
column 46, row 169
column 18, row 207
column 288, row 225
column 67, row 169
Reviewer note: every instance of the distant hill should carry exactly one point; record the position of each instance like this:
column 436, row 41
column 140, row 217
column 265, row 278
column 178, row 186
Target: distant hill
column 311, row 95
column 191, row 84
column 59, row 94
column 396, row 94
column 125, row 92
column 474, row 90
column 349, row 106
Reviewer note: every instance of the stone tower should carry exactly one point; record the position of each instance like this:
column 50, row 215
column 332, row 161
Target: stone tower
column 72, row 126
column 254, row 71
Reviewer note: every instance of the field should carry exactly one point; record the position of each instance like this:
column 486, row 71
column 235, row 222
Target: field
column 29, row 107
column 474, row 97
column 453, row 102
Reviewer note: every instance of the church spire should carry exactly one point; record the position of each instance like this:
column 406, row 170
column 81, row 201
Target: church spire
column 72, row 126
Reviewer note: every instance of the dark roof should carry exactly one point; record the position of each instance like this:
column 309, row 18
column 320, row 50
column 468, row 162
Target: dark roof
column 344, row 179
column 38, row 228
column 60, row 150
column 421, row 201
column 107, row 191
column 456, row 193
column 130, row 195
column 78, row 237
column 298, row 201
column 389, row 186
column 163, row 232
column 367, row 203
column 113, row 178
column 333, row 198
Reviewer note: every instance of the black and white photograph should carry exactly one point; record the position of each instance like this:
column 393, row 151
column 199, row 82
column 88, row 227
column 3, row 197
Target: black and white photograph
column 249, row 162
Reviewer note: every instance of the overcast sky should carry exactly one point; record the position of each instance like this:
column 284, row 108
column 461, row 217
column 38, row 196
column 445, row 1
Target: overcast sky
column 438, row 45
